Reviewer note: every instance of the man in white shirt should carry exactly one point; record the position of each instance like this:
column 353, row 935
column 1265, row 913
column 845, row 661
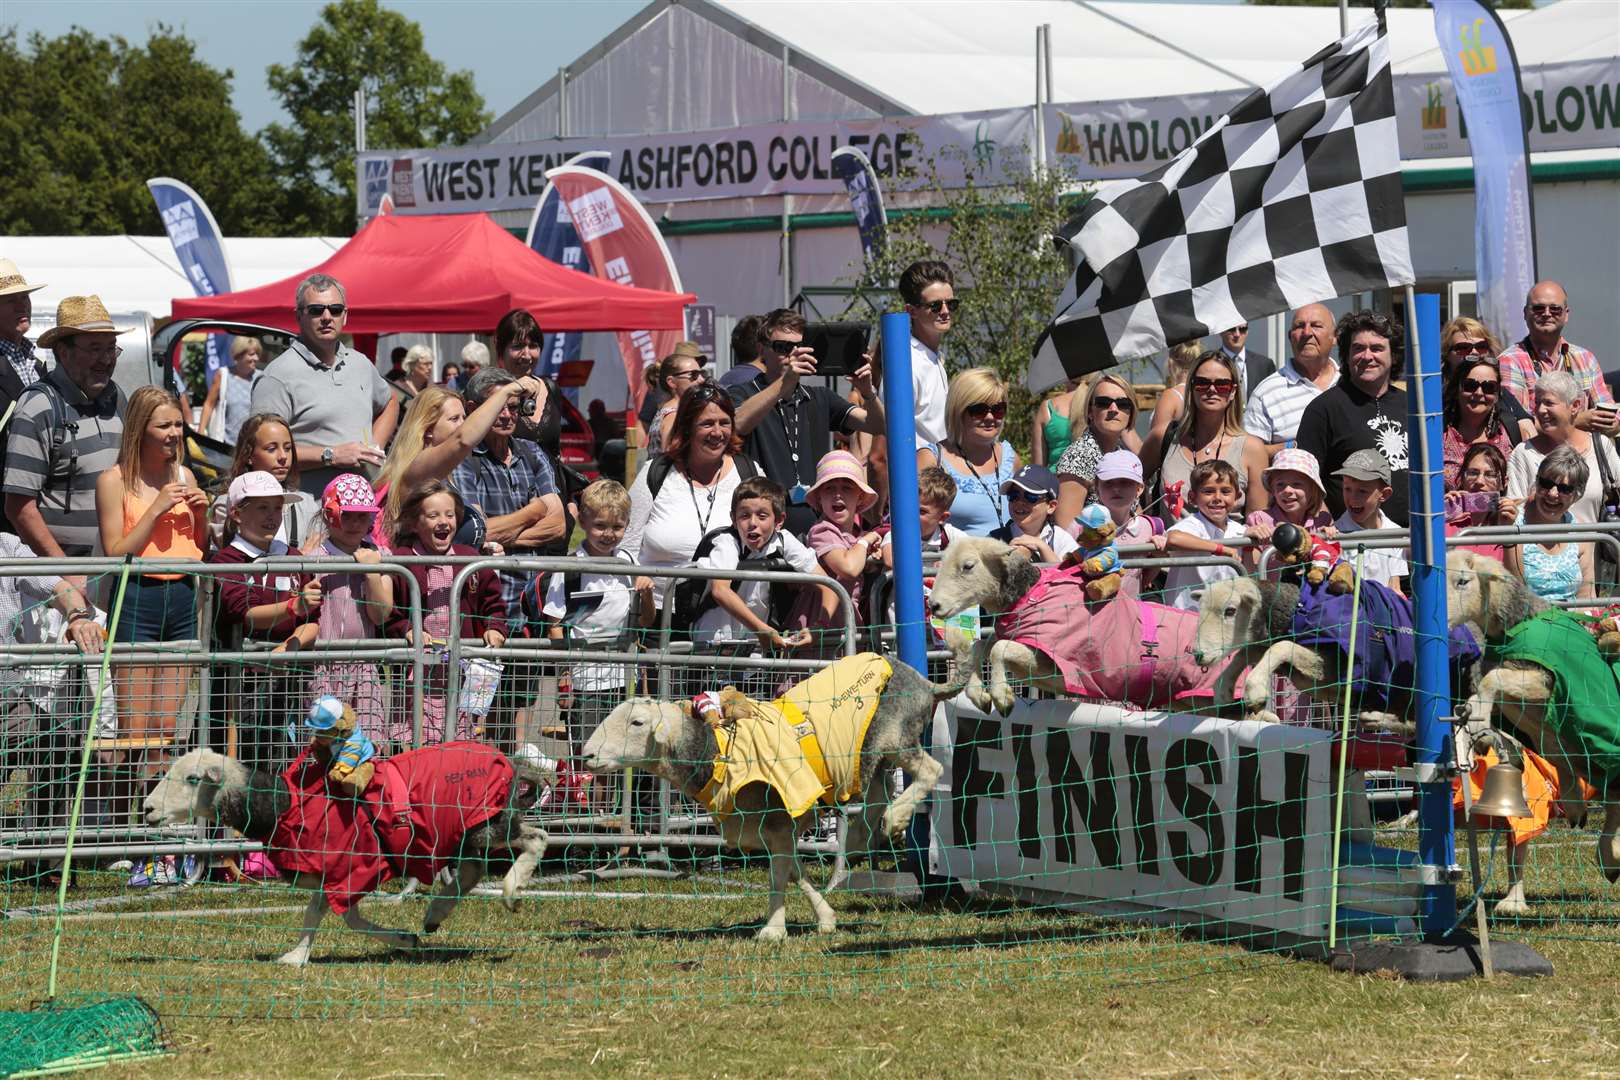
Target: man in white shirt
column 930, row 296
column 1279, row 401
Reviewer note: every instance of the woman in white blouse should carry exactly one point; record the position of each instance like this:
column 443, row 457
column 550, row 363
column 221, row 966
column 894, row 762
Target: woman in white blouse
column 694, row 495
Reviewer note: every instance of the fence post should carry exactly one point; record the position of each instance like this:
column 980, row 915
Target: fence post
column 1437, row 841
column 906, row 537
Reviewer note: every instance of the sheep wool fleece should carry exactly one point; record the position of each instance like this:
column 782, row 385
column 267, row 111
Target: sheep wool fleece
column 805, row 744
column 1123, row 650
column 1585, row 710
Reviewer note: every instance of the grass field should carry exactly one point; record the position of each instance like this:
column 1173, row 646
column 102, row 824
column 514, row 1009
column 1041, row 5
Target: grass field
column 659, row 978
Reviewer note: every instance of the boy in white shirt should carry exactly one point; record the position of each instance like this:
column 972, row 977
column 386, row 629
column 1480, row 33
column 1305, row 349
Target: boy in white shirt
column 1365, row 479
column 1213, row 488
column 593, row 609
column 1031, row 501
column 741, row 611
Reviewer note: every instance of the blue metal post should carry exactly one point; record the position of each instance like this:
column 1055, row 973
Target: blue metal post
column 906, row 532
column 1437, row 845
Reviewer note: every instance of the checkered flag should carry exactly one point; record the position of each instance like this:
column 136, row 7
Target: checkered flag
column 1291, row 198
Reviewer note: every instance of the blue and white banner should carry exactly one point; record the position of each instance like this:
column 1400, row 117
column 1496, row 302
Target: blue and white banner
column 865, row 198
column 200, row 247
column 551, row 233
column 1485, row 73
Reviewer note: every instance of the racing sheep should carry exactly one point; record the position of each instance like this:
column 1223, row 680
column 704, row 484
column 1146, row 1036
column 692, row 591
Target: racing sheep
column 762, row 767
column 456, row 804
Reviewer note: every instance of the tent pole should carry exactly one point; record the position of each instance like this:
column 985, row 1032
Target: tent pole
column 787, row 200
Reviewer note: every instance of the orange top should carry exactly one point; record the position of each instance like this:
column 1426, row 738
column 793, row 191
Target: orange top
column 175, row 536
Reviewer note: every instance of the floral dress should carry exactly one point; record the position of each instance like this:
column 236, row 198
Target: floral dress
column 356, row 682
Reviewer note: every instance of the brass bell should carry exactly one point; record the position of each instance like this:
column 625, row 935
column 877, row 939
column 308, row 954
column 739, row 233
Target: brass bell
column 1502, row 794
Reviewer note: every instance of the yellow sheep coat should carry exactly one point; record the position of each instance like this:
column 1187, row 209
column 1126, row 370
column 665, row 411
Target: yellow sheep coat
column 805, row 744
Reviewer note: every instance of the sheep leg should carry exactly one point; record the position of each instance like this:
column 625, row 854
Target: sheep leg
column 1609, row 843
column 973, row 656
column 468, row 872
column 862, row 828
column 1513, row 904
column 1303, row 664
column 826, row 920
column 782, row 859
column 314, row 912
column 924, row 771
column 531, row 845
column 1024, row 662
column 399, row 939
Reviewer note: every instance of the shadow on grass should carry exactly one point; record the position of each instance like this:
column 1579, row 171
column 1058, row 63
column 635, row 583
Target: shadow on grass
column 427, row 954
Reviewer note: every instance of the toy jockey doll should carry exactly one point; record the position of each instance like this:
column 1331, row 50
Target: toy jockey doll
column 337, row 741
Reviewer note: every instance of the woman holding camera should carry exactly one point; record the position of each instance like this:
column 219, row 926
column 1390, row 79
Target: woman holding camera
column 436, row 435
column 1474, row 414
column 1477, row 498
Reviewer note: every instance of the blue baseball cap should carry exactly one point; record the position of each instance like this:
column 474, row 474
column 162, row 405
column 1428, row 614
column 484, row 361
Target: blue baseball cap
column 325, row 715
column 1035, row 479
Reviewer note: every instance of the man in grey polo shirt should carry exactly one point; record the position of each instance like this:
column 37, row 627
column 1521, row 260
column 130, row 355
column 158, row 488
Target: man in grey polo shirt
column 340, row 409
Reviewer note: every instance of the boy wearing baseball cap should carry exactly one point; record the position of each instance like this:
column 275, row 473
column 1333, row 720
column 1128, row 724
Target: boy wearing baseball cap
column 1365, row 485
column 1032, row 494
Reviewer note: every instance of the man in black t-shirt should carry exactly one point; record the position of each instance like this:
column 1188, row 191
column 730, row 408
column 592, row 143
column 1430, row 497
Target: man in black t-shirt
column 1364, row 410
column 787, row 426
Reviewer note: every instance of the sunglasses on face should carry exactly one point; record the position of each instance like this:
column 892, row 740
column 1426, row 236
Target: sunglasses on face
column 1470, row 348
column 691, row 373
column 783, row 348
column 1099, row 401
column 1219, row 386
column 1545, row 309
column 997, row 411
column 1244, row 329
column 1556, row 488
column 938, row 306
column 1019, row 495
column 317, row 310
column 1481, row 386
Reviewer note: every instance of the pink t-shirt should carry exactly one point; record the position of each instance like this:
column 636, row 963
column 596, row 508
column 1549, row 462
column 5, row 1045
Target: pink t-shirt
column 823, row 537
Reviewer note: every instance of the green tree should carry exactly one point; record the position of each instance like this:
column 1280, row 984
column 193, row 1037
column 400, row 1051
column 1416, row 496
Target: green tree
column 88, row 120
column 410, row 101
column 997, row 240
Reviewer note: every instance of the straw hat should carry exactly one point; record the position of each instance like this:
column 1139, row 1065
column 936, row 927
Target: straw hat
column 842, row 465
column 80, row 315
column 12, row 281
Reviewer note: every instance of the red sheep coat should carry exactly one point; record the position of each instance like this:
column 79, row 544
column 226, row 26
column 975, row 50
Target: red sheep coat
column 1123, row 650
column 409, row 821
column 482, row 607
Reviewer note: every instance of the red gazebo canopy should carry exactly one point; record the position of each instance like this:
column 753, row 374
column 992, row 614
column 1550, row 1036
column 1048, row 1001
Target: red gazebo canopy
column 449, row 273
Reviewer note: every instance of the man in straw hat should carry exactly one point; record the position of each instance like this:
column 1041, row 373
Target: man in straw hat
column 65, row 433
column 22, row 368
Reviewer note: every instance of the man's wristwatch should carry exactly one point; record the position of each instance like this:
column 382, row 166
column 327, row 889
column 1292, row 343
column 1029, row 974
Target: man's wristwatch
column 328, row 456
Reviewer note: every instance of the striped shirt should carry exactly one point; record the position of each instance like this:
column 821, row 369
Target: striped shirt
column 58, row 466
column 1521, row 367
column 1279, row 401
column 499, row 488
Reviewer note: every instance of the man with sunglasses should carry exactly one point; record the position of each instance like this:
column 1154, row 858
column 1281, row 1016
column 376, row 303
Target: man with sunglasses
column 1544, row 349
column 930, row 295
column 339, row 408
column 1251, row 367
column 788, row 427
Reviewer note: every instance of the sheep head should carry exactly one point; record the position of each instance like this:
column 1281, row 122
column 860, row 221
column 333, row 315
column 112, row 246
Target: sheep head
column 1479, row 590
column 634, row 734
column 980, row 572
column 188, row 790
column 1231, row 615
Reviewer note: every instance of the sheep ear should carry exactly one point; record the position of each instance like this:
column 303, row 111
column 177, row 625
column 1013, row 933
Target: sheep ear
column 214, row 774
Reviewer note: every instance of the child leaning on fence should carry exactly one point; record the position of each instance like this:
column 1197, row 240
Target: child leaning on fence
column 428, row 520
column 354, row 604
column 261, row 607
column 584, row 609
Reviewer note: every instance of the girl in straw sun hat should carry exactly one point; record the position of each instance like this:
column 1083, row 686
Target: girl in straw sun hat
column 838, row 497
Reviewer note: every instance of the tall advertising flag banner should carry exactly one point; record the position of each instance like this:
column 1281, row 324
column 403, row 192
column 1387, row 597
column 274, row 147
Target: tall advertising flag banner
column 621, row 244
column 551, row 233
column 1485, row 73
column 865, row 198
column 200, row 247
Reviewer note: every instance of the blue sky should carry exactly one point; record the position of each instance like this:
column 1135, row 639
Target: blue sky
column 510, row 46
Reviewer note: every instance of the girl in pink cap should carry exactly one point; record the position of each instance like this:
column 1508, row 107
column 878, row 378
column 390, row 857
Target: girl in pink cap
column 839, row 496
column 1294, row 481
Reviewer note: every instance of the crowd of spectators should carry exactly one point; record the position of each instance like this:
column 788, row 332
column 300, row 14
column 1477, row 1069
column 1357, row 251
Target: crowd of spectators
column 765, row 467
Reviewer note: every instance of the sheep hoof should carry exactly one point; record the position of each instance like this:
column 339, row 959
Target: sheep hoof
column 408, row 942
column 980, row 698
column 1511, row 906
column 771, row 933
column 295, row 959
column 828, row 927
column 510, row 901
column 1609, row 857
column 1002, row 698
column 1263, row 716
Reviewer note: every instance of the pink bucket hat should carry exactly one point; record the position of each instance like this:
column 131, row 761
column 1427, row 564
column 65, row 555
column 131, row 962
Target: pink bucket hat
column 841, row 465
column 1292, row 459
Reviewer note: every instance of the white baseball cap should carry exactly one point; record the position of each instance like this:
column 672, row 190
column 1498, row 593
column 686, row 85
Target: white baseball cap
column 257, row 485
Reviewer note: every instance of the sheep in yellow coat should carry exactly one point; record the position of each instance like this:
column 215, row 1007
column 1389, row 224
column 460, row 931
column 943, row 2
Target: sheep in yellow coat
column 762, row 767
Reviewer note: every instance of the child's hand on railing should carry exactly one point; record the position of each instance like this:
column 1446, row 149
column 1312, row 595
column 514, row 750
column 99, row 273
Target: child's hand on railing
column 494, row 639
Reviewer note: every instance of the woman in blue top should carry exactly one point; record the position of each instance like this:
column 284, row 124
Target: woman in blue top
column 1554, row 570
column 974, row 453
